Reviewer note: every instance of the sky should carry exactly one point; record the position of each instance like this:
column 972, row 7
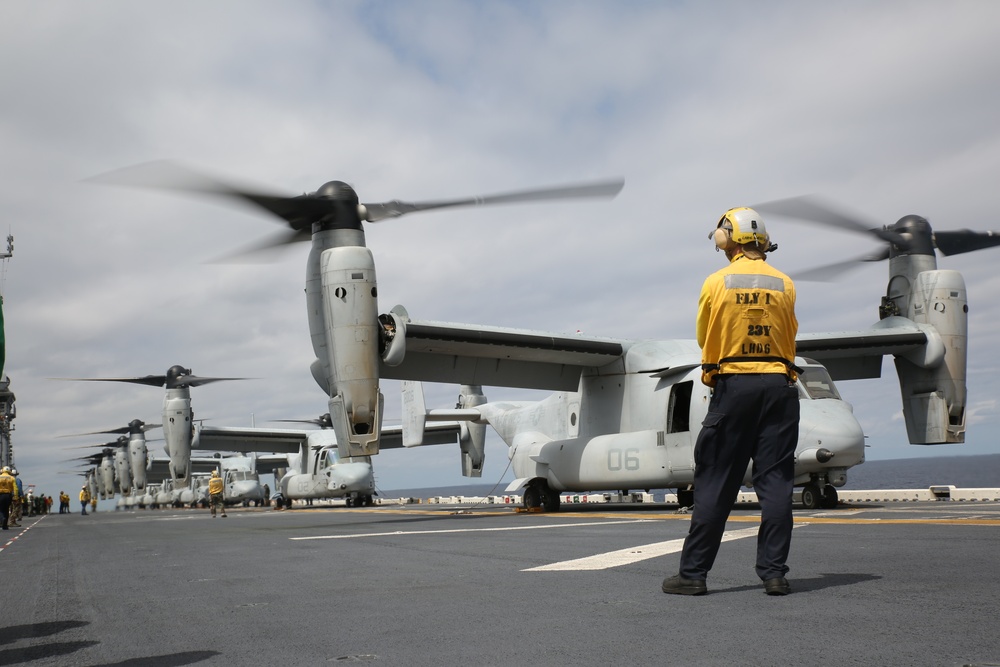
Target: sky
column 886, row 108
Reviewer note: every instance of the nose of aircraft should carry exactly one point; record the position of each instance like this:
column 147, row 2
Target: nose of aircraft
column 351, row 477
column 829, row 436
column 246, row 490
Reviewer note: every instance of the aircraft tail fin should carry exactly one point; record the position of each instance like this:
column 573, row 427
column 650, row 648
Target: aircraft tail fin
column 472, row 436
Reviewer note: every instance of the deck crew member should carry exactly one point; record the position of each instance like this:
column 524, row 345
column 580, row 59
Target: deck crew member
column 16, row 507
column 84, row 498
column 215, row 488
column 746, row 328
column 8, row 494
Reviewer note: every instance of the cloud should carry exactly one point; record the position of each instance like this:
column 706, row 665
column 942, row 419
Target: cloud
column 699, row 106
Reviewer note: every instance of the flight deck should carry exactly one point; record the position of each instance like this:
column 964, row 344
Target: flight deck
column 874, row 583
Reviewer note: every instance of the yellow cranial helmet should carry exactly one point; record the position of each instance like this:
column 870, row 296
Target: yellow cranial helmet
column 215, row 473
column 741, row 225
column 5, row 470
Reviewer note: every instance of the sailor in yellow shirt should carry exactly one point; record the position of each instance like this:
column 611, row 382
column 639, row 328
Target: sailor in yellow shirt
column 8, row 494
column 215, row 488
column 84, row 498
column 746, row 327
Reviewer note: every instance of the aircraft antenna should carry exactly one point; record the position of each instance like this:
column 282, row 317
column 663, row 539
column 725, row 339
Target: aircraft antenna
column 6, row 256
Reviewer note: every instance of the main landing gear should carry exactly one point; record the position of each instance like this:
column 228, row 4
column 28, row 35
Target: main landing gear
column 538, row 495
column 360, row 501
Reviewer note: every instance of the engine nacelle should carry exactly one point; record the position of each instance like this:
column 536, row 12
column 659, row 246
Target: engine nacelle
column 347, row 277
column 177, row 432
column 138, row 457
column 933, row 389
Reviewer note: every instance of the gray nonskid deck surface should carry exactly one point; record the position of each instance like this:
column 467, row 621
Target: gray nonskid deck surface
column 910, row 584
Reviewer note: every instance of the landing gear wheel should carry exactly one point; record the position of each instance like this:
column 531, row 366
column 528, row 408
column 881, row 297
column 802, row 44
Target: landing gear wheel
column 349, row 501
column 550, row 500
column 829, row 499
column 532, row 497
column 810, row 496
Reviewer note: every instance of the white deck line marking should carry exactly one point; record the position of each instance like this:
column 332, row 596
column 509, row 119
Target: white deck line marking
column 21, row 534
column 468, row 530
column 632, row 554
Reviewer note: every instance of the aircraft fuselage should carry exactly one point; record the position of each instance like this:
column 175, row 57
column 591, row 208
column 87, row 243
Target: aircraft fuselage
column 636, row 429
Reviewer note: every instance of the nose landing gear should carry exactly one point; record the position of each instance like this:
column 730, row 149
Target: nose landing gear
column 818, row 494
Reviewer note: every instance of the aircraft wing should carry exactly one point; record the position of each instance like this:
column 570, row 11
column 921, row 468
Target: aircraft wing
column 267, row 463
column 245, row 440
column 499, row 357
column 290, row 441
column 157, row 469
column 855, row 355
column 205, row 464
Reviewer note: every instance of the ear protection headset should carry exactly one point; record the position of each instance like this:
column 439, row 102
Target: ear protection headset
column 723, row 235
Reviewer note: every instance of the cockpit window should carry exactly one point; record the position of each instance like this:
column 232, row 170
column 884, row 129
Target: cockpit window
column 817, row 383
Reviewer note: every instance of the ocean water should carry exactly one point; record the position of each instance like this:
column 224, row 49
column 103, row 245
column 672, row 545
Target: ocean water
column 969, row 472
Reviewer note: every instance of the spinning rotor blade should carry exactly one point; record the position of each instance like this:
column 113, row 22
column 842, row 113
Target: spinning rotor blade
column 264, row 249
column 167, row 175
column 395, row 208
column 151, row 380
column 94, row 459
column 195, row 381
column 911, row 234
column 335, row 204
column 122, row 429
column 814, row 210
column 958, row 241
column 176, row 376
column 837, row 269
column 323, row 421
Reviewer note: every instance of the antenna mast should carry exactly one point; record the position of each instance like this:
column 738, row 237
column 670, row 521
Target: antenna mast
column 7, row 409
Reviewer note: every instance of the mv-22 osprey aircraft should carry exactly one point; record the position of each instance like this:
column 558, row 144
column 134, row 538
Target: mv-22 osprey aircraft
column 306, row 463
column 626, row 413
column 129, row 458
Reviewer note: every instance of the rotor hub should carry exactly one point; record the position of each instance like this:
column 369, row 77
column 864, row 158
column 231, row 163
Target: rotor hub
column 918, row 234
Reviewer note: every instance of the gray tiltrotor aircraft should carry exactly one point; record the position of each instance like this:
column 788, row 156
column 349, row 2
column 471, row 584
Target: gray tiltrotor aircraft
column 626, row 413
column 130, row 455
column 178, row 417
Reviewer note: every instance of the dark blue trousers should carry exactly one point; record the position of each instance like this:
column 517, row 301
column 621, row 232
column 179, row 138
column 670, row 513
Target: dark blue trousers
column 750, row 417
column 5, row 501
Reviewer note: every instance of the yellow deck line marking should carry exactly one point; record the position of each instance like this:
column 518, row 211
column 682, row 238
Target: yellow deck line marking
column 623, row 517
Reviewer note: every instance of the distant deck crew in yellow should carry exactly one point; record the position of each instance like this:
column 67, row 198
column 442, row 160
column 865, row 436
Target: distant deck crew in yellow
column 16, row 507
column 8, row 494
column 215, row 489
column 746, row 328
column 84, row 498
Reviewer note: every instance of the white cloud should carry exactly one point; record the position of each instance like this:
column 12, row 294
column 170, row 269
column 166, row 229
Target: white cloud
column 885, row 107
